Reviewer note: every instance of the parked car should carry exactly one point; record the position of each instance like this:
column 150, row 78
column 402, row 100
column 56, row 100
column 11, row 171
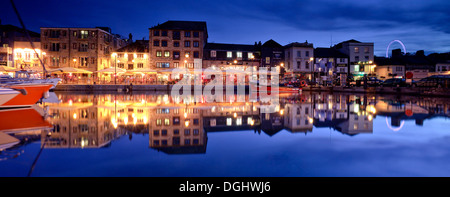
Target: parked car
column 394, row 82
column 438, row 81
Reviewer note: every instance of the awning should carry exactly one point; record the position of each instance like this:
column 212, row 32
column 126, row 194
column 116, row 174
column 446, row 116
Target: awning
column 112, row 70
column 7, row 69
column 69, row 70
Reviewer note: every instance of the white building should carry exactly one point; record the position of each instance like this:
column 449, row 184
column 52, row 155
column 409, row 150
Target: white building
column 360, row 55
column 299, row 59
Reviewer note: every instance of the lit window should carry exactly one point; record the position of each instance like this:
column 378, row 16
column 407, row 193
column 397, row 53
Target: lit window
column 229, row 54
column 229, row 121
column 250, row 55
column 239, row 54
column 166, row 53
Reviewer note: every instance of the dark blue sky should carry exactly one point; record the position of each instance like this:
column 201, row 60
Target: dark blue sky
column 419, row 24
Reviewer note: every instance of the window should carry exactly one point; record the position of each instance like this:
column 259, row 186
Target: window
column 213, row 53
column 306, row 110
column 187, row 142
column 398, row 69
column 158, row 53
column 356, row 50
column 75, row 33
column 156, row 33
column 93, row 61
column 229, row 54
column 196, row 34
column 299, row 53
column 121, row 65
column 84, row 34
column 176, row 120
column 307, row 65
column 155, row 132
column 164, row 142
column 163, row 33
column 130, row 66
column 176, row 55
column 196, row 121
column 187, row 34
column 55, row 61
column 83, row 61
column 163, row 132
column 195, row 43
column 187, row 132
column 164, row 43
column 176, row 140
column 176, row 64
column 140, row 65
column 366, row 58
column 298, row 64
column 250, row 55
column 195, row 141
column 140, row 56
column 176, row 132
column 92, row 46
column 357, row 58
column 54, row 47
column 187, row 54
column 196, row 54
column 158, row 122
column 54, row 33
column 83, row 47
column 162, row 65
column 229, row 122
column 166, row 122
column 176, row 35
column 74, row 45
column 166, row 53
column 307, row 53
column 187, row 43
column 239, row 54
column 156, row 43
column 195, row 132
column 176, row 44
column 156, row 142
column 267, row 60
column 366, row 49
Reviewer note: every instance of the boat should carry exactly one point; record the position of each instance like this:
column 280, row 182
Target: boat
column 24, row 76
column 256, row 86
column 22, row 94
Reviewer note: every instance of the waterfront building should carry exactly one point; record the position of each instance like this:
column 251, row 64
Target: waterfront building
column 15, row 48
column 299, row 60
column 389, row 68
column 134, row 59
column 87, row 49
column 331, row 65
column 299, row 117
column 176, row 44
column 238, row 57
column 272, row 56
column 361, row 57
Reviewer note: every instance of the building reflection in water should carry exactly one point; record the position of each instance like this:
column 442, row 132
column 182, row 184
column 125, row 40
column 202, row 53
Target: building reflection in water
column 179, row 125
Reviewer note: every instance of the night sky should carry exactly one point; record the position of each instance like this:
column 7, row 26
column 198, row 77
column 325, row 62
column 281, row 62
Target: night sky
column 419, row 24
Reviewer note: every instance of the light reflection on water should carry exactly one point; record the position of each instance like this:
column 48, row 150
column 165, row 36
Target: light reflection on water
column 313, row 134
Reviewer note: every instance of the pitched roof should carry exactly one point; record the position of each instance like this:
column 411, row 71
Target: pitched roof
column 230, row 47
column 271, row 44
column 297, row 44
column 10, row 28
column 182, row 25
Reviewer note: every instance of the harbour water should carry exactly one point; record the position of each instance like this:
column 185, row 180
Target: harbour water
column 155, row 135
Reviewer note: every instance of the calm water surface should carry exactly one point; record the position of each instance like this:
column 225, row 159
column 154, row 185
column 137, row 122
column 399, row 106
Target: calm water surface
column 155, row 135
